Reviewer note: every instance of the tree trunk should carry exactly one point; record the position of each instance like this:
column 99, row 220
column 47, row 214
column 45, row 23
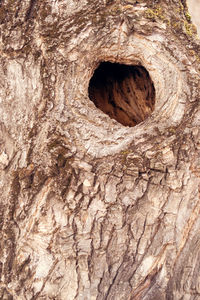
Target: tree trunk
column 100, row 170
column 194, row 8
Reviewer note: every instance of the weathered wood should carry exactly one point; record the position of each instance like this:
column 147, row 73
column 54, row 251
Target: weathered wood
column 92, row 209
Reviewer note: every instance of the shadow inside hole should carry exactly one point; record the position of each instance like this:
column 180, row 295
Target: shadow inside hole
column 125, row 93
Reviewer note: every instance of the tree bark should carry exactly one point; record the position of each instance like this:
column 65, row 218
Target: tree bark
column 194, row 7
column 92, row 209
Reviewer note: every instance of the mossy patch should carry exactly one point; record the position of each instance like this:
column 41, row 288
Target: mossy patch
column 154, row 13
column 188, row 16
column 190, row 28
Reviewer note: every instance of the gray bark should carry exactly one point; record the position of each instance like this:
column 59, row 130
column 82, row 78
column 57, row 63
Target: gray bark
column 92, row 209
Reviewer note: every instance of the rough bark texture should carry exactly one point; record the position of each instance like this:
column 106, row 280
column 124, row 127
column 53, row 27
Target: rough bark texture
column 194, row 10
column 92, row 209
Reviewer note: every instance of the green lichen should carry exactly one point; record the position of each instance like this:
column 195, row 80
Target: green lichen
column 154, row 13
column 197, row 58
column 190, row 28
column 188, row 17
column 172, row 130
column 125, row 152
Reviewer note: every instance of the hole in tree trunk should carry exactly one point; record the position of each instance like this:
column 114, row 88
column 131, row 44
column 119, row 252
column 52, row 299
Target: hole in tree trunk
column 125, row 93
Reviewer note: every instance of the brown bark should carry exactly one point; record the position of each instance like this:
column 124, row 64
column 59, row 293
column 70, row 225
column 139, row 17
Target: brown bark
column 90, row 208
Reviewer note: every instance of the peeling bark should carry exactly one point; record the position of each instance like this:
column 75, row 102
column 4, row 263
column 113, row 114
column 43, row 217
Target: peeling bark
column 90, row 208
